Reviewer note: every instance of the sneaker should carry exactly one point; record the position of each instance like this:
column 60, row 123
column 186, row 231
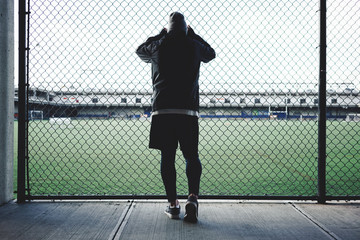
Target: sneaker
column 191, row 210
column 173, row 212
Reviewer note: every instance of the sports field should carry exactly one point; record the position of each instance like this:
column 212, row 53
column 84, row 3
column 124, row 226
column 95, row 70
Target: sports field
column 239, row 157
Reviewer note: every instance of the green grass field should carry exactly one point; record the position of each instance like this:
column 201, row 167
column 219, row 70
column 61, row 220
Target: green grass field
column 239, row 157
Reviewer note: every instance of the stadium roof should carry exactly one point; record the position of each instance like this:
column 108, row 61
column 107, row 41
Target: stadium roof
column 242, row 89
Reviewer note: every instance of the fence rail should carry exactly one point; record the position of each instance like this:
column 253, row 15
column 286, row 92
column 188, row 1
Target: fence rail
column 280, row 104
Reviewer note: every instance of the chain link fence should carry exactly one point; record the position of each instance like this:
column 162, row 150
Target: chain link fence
column 343, row 151
column 89, row 98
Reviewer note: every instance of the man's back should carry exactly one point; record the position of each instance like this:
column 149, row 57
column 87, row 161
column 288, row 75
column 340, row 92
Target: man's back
column 175, row 57
column 176, row 85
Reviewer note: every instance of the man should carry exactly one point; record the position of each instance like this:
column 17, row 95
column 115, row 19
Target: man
column 175, row 55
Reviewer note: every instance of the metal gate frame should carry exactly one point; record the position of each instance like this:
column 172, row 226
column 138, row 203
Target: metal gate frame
column 23, row 191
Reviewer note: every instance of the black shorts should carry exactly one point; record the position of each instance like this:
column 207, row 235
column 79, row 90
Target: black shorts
column 169, row 129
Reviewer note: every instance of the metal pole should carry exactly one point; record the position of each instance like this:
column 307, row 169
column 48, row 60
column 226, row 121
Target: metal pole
column 6, row 100
column 322, row 108
column 22, row 106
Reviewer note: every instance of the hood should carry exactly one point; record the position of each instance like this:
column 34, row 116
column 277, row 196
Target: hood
column 177, row 23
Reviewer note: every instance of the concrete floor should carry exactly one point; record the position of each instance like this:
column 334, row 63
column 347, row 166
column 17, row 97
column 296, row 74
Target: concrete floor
column 146, row 220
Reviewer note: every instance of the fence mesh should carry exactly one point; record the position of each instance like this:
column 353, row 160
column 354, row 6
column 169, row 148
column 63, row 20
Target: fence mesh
column 90, row 97
column 343, row 151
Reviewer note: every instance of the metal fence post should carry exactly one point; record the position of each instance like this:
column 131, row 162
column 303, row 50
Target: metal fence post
column 322, row 107
column 22, row 105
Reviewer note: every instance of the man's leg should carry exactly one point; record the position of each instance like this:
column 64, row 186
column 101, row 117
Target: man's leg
column 168, row 173
column 193, row 173
column 188, row 133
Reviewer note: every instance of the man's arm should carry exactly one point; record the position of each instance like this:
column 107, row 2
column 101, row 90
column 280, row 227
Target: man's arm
column 146, row 50
column 206, row 51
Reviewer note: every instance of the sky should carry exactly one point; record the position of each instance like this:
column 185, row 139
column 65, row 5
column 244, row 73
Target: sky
column 260, row 45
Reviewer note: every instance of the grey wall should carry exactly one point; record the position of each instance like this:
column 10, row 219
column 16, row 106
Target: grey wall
column 6, row 99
